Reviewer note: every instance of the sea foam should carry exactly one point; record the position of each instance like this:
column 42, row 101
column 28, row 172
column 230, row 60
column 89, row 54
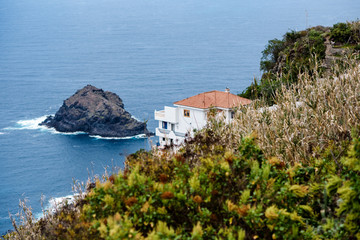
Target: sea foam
column 54, row 204
column 33, row 124
column 30, row 124
column 118, row 138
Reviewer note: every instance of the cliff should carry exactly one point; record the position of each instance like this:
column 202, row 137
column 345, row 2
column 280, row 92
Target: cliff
column 95, row 112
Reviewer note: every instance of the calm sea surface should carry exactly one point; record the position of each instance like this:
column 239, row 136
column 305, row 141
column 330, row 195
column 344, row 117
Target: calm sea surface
column 150, row 52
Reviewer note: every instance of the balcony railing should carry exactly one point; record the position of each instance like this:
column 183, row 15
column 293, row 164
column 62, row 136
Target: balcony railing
column 167, row 132
column 160, row 114
column 163, row 131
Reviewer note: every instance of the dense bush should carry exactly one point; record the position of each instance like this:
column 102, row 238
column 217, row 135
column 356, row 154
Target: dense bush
column 228, row 194
column 296, row 53
column 283, row 60
column 346, row 33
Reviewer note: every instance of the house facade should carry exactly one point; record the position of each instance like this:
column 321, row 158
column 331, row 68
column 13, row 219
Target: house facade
column 180, row 121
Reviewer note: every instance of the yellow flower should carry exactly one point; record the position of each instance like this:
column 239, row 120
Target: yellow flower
column 231, row 206
column 103, row 230
column 295, row 217
column 145, row 207
column 197, row 231
column 272, row 212
column 107, row 185
column 299, row 190
column 117, row 217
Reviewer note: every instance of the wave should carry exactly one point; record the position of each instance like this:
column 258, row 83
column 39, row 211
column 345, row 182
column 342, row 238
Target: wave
column 118, row 138
column 66, row 133
column 1, row 133
column 55, row 203
column 136, row 118
column 33, row 124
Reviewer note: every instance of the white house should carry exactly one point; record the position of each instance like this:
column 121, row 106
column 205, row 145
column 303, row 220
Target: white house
column 175, row 123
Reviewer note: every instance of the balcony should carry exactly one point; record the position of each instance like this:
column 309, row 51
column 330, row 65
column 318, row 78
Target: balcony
column 159, row 114
column 163, row 131
column 160, row 132
column 169, row 114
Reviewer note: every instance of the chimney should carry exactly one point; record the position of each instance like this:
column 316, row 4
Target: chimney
column 227, row 90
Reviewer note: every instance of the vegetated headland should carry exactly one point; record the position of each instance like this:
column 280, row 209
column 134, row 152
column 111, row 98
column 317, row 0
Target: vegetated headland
column 290, row 172
column 316, row 48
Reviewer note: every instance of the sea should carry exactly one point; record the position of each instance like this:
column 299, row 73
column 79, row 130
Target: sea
column 149, row 52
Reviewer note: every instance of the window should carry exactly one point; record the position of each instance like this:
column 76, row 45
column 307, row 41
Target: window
column 186, row 113
column 164, row 125
column 232, row 114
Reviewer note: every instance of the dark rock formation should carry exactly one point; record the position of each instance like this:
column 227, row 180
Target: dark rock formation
column 95, row 112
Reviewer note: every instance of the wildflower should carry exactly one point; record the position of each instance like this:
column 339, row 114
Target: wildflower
column 167, row 195
column 231, row 206
column 214, row 192
column 213, row 217
column 112, row 179
column 272, row 212
column 109, row 201
column 245, row 195
column 131, row 201
column 197, row 231
column 243, row 210
column 161, row 210
column 103, row 230
column 163, row 178
column 229, row 157
column 307, row 209
column 145, row 207
column 107, row 185
column 274, row 161
column 117, row 217
column 194, row 182
column 241, row 234
column 295, row 217
column 299, row 190
column 125, row 175
column 180, row 158
column 197, row 199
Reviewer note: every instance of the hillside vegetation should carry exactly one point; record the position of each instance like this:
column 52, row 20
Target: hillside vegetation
column 291, row 171
column 298, row 52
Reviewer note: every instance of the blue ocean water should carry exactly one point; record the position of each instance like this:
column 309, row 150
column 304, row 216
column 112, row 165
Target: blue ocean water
column 151, row 53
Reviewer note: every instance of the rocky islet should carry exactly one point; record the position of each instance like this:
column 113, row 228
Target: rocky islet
column 96, row 112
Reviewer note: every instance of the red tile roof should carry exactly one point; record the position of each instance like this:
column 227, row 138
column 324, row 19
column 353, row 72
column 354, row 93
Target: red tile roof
column 213, row 99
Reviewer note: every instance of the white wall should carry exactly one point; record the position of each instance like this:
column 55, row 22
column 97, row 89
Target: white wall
column 171, row 114
column 197, row 119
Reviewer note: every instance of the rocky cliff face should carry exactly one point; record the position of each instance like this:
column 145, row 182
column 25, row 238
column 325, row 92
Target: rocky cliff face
column 95, row 112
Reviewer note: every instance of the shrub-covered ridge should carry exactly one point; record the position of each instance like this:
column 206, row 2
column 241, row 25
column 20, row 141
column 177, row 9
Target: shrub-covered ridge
column 298, row 51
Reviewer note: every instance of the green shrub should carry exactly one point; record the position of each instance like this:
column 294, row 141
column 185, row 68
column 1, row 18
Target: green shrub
column 341, row 33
